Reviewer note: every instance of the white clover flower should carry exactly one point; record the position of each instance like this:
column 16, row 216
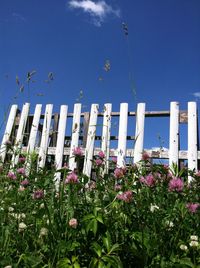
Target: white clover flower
column 194, row 237
column 10, row 209
column 194, row 244
column 43, row 232
column 170, row 224
column 42, row 205
column 8, row 266
column 1, row 208
column 22, row 226
column 183, row 247
column 153, row 207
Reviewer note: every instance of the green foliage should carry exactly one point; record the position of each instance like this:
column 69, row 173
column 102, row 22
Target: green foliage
column 134, row 220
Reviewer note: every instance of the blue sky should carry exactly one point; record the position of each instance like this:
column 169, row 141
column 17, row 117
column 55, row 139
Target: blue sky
column 74, row 39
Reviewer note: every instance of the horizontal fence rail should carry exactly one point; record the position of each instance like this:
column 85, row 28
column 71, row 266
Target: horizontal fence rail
column 45, row 134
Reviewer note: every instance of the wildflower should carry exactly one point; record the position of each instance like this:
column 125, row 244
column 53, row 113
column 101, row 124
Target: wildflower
column 194, row 244
column 114, row 159
column 22, row 159
column 18, row 216
column 148, row 180
column 98, row 162
column 43, row 232
column 77, row 151
column 42, row 206
column 126, row 196
column 73, row 223
column 8, row 266
column 194, row 237
column 192, row 207
column 153, row 207
column 21, row 188
column 119, row 173
column 25, row 182
column 117, row 187
column 176, row 184
column 169, row 224
column 22, row 226
column 21, row 171
column 145, row 156
column 101, row 154
column 183, row 247
column 10, row 209
column 38, row 194
column 11, row 175
column 72, row 178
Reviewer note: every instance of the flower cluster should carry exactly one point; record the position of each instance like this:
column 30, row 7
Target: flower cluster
column 148, row 180
column 12, row 175
column 38, row 194
column 192, row 207
column 176, row 184
column 119, row 173
column 71, row 178
column 126, row 196
column 77, row 152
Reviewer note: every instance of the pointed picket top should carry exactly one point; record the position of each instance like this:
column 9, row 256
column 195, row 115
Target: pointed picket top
column 45, row 136
column 8, row 130
column 20, row 132
column 34, row 128
column 75, row 134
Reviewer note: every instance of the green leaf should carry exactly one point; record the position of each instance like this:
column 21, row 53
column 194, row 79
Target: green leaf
column 64, row 263
column 93, row 263
column 88, row 217
column 76, row 265
column 114, row 248
column 113, row 260
column 107, row 241
column 99, row 218
column 101, row 264
column 97, row 248
column 92, row 226
column 187, row 261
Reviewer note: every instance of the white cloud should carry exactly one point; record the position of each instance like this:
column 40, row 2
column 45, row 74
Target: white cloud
column 18, row 16
column 196, row 94
column 97, row 10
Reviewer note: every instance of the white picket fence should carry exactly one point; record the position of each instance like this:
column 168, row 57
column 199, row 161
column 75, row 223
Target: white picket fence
column 59, row 149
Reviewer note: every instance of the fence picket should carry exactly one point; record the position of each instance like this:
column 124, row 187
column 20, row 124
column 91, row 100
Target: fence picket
column 174, row 133
column 192, row 137
column 45, row 135
column 123, row 120
column 34, row 128
column 105, row 145
column 20, row 132
column 8, row 130
column 139, row 132
column 60, row 140
column 90, row 140
column 75, row 134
